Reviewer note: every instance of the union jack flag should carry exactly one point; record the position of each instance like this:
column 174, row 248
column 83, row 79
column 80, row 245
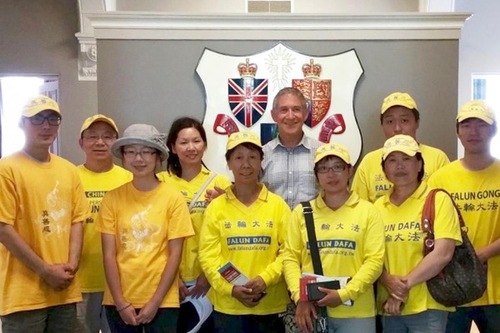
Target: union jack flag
column 247, row 99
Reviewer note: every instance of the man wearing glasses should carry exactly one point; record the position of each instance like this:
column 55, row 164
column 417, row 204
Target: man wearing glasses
column 98, row 175
column 42, row 207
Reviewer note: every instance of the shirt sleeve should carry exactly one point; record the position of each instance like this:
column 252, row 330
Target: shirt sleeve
column 272, row 274
column 446, row 222
column 294, row 245
column 81, row 209
column 210, row 251
column 373, row 259
column 359, row 182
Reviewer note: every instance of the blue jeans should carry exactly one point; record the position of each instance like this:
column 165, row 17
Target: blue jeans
column 487, row 319
column 225, row 323
column 165, row 321
column 59, row 318
column 430, row 321
column 349, row 325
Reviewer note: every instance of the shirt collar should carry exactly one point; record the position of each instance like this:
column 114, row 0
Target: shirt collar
column 351, row 201
column 304, row 141
column 264, row 192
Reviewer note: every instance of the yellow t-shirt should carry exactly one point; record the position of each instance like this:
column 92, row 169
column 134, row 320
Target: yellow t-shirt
column 96, row 184
column 477, row 194
column 251, row 238
column 190, row 267
column 41, row 201
column 143, row 223
column 350, row 242
column 370, row 182
column 404, row 242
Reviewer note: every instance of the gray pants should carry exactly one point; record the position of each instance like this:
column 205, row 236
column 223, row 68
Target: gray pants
column 90, row 314
column 59, row 318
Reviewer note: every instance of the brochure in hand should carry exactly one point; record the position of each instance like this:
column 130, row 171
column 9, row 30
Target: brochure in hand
column 309, row 284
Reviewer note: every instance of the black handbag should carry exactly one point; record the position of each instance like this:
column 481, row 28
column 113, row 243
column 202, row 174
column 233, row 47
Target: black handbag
column 321, row 323
column 463, row 280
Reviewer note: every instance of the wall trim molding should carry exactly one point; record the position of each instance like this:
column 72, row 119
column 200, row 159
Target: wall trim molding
column 281, row 27
column 126, row 25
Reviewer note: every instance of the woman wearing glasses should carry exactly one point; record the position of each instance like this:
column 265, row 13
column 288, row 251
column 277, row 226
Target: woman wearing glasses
column 350, row 238
column 143, row 225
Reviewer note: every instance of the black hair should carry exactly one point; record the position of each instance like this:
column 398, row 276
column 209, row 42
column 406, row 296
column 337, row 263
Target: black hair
column 421, row 173
column 173, row 163
column 248, row 145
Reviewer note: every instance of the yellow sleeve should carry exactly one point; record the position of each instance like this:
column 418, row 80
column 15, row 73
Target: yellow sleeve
column 271, row 275
column 107, row 222
column 8, row 199
column 373, row 260
column 179, row 224
column 222, row 182
column 294, row 246
column 210, row 252
column 446, row 222
column 359, row 182
column 80, row 204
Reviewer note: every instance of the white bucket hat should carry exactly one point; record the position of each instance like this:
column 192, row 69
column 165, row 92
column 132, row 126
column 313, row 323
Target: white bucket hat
column 142, row 134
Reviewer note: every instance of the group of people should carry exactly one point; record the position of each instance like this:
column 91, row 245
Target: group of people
column 101, row 247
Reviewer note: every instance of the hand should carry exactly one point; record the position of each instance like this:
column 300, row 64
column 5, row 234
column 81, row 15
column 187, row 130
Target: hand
column 201, row 287
column 58, row 276
column 128, row 315
column 393, row 306
column 257, row 285
column 147, row 313
column 183, row 290
column 397, row 286
column 331, row 298
column 211, row 194
column 305, row 316
column 72, row 267
column 483, row 255
column 244, row 295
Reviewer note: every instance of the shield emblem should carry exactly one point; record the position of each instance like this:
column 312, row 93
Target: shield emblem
column 317, row 92
column 237, row 101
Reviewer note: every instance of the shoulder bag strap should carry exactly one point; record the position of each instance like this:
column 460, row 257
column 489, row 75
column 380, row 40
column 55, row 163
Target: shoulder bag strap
column 311, row 235
column 428, row 215
column 200, row 190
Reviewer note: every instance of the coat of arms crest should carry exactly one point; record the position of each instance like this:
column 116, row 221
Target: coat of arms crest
column 240, row 90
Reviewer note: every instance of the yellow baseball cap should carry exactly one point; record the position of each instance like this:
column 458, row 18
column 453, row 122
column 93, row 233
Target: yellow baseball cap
column 98, row 117
column 476, row 109
column 332, row 149
column 38, row 104
column 398, row 98
column 402, row 143
column 238, row 138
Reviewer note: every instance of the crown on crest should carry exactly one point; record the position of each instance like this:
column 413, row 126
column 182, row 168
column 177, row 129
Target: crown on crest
column 311, row 70
column 247, row 68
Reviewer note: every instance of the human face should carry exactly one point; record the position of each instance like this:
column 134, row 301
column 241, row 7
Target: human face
column 140, row 160
column 289, row 116
column 331, row 181
column 399, row 120
column 245, row 164
column 401, row 169
column 475, row 135
column 97, row 140
column 189, row 147
column 42, row 135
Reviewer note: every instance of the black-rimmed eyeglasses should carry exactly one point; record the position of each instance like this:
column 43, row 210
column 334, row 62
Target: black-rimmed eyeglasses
column 38, row 119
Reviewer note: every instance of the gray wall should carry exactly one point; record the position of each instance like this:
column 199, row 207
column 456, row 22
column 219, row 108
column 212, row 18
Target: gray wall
column 38, row 37
column 155, row 81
